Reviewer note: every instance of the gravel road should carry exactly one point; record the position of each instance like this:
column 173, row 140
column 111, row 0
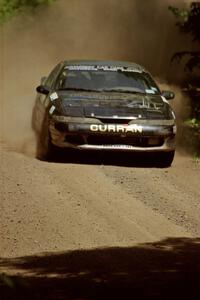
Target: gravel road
column 58, row 206
column 82, row 205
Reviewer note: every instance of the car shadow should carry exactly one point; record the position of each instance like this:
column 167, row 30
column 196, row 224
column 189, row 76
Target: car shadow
column 168, row 269
column 126, row 159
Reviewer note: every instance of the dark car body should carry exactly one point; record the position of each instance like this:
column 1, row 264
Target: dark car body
column 105, row 105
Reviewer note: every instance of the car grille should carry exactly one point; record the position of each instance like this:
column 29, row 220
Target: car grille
column 116, row 140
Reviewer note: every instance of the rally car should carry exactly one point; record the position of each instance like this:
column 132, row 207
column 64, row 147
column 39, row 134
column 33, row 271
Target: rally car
column 104, row 105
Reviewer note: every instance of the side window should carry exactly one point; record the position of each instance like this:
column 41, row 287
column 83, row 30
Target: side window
column 52, row 76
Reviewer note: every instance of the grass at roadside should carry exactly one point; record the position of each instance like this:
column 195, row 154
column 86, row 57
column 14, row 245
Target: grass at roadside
column 193, row 123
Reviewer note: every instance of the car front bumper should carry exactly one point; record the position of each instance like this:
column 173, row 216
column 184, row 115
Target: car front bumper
column 146, row 136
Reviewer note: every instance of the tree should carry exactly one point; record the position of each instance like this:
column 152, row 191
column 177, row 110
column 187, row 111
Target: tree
column 189, row 23
column 9, row 8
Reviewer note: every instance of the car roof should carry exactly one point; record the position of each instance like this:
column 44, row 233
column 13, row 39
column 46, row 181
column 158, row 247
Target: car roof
column 106, row 63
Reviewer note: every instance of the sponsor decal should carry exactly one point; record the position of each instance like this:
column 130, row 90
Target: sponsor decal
column 54, row 96
column 104, row 68
column 52, row 109
column 118, row 146
column 134, row 128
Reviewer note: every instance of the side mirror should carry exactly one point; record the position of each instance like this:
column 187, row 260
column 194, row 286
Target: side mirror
column 42, row 89
column 168, row 95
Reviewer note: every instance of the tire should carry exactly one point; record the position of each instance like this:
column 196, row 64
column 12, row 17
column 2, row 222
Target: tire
column 166, row 159
column 45, row 148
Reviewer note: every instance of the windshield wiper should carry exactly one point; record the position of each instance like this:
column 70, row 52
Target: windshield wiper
column 125, row 91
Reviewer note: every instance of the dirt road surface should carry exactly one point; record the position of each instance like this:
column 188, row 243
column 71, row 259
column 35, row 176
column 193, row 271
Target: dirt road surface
column 98, row 228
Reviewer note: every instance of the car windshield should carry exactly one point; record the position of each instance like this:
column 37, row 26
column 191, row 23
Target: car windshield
column 106, row 80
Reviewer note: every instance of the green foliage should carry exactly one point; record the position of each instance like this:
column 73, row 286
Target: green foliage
column 9, row 8
column 189, row 20
column 189, row 23
column 193, row 122
column 182, row 14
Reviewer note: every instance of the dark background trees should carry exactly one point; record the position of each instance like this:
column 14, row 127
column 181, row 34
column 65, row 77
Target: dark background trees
column 188, row 21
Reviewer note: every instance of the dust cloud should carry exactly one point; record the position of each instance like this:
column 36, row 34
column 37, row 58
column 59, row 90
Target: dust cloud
column 181, row 104
column 30, row 45
column 181, row 107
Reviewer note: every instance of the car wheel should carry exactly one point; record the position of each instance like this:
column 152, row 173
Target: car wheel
column 45, row 148
column 166, row 159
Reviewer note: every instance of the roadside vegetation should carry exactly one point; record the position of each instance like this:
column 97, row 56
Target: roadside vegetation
column 188, row 21
column 9, row 8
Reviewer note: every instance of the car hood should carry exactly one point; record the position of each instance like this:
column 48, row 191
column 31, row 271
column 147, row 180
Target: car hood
column 111, row 105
